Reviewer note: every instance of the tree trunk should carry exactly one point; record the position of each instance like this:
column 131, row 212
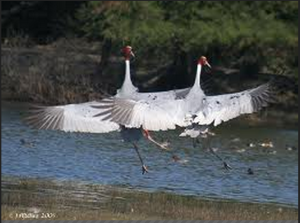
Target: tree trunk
column 98, row 76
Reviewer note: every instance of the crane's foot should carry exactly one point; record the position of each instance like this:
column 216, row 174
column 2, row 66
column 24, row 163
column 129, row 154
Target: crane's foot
column 165, row 146
column 145, row 169
column 227, row 166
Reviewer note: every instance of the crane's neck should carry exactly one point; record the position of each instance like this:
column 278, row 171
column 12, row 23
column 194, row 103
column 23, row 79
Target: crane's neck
column 194, row 98
column 196, row 90
column 127, row 86
column 127, row 73
column 198, row 75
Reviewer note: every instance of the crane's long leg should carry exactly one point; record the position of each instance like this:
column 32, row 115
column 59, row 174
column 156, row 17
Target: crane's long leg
column 226, row 165
column 160, row 145
column 144, row 167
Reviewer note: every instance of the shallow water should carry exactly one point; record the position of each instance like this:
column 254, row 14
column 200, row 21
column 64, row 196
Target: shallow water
column 105, row 159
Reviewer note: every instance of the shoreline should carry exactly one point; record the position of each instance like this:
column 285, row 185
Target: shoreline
column 81, row 200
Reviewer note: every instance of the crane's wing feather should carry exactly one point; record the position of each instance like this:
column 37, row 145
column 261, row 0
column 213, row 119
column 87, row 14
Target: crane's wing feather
column 138, row 113
column 181, row 93
column 70, row 118
column 228, row 106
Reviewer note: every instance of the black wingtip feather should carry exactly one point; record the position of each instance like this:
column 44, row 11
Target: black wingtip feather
column 262, row 96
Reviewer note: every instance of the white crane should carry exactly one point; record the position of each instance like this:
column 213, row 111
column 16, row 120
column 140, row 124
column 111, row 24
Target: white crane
column 131, row 111
column 81, row 117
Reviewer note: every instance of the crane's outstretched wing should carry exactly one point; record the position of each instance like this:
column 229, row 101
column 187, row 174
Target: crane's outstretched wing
column 70, row 118
column 228, row 106
column 150, row 115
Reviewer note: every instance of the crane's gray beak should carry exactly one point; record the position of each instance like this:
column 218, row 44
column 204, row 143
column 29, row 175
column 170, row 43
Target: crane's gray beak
column 132, row 54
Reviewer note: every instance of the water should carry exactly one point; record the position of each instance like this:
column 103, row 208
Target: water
column 105, row 159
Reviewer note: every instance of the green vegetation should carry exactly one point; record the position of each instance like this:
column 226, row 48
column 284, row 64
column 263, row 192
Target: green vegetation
column 77, row 201
column 60, row 52
column 252, row 36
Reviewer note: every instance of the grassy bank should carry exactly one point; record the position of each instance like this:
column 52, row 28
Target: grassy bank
column 71, row 200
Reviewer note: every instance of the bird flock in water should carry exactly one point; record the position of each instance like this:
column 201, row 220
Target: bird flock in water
column 135, row 114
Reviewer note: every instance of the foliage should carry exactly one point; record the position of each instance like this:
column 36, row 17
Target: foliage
column 243, row 34
column 135, row 23
column 252, row 36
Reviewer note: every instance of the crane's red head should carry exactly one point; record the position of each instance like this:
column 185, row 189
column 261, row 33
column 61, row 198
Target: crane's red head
column 203, row 61
column 127, row 51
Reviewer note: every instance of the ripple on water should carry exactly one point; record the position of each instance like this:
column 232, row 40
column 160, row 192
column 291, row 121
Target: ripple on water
column 105, row 159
